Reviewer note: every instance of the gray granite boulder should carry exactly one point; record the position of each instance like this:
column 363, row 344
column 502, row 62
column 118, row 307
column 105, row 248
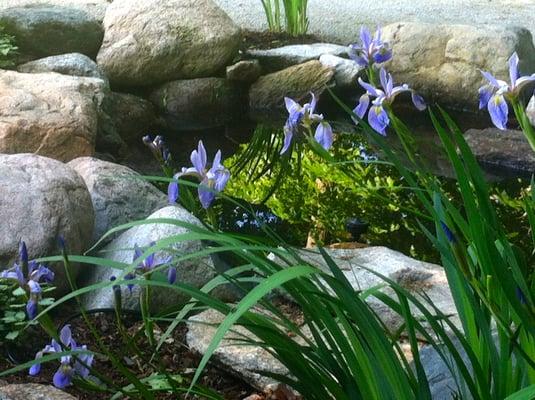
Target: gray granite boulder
column 443, row 62
column 246, row 71
column 43, row 30
column 268, row 92
column 531, row 110
column 286, row 56
column 346, row 72
column 119, row 194
column 74, row 64
column 41, row 199
column 148, row 42
column 502, row 153
column 196, row 103
column 49, row 114
column 32, row 391
column 196, row 272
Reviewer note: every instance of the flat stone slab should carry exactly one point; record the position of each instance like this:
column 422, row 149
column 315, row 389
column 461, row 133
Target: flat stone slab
column 32, row 391
column 502, row 152
column 286, row 56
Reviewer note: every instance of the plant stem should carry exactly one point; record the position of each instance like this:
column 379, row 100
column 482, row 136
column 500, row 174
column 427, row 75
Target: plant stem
column 523, row 120
column 145, row 313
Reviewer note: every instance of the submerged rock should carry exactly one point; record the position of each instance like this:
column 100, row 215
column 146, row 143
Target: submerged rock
column 40, row 200
column 148, row 42
column 504, row 153
column 286, row 56
column 49, row 114
column 443, row 62
column 43, row 30
column 197, row 103
column 268, row 92
column 74, row 64
column 195, row 272
column 119, row 194
column 246, row 71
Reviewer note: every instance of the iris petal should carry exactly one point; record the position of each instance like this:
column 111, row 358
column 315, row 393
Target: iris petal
column 513, row 68
column 172, row 192
column 418, row 101
column 485, row 93
column 206, row 196
column 498, row 111
column 378, row 119
column 63, row 377
column 287, row 141
column 324, row 135
column 361, row 108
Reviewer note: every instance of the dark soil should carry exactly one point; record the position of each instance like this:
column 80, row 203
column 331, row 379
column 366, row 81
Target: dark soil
column 269, row 40
column 174, row 355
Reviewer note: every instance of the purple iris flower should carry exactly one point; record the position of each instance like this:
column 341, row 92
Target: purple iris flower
column 30, row 283
column 496, row 92
column 148, row 264
column 69, row 366
column 158, row 147
column 370, row 50
column 212, row 180
column 377, row 115
column 305, row 117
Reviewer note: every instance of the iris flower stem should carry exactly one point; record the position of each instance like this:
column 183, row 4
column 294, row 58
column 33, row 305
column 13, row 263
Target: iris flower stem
column 523, row 120
column 372, row 76
column 145, row 313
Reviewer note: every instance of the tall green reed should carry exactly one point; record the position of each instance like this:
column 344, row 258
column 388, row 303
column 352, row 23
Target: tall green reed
column 294, row 13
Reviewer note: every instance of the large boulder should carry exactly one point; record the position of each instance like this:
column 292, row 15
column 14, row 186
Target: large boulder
column 95, row 8
column 74, row 64
column 268, row 92
column 195, row 271
column 531, row 110
column 286, row 56
column 443, row 62
column 147, row 42
column 32, row 391
column 43, row 30
column 346, row 72
column 502, row 153
column 196, row 103
column 49, row 114
column 119, row 194
column 40, row 200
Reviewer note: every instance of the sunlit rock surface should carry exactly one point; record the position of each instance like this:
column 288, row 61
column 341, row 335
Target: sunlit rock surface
column 74, row 64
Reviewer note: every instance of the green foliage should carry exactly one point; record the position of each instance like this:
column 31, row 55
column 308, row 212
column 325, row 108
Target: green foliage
column 295, row 14
column 8, row 49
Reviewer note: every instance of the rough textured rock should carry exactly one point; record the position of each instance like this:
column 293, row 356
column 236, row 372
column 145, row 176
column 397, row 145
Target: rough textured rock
column 443, row 61
column 119, row 195
column 504, row 153
column 268, row 92
column 32, row 391
column 125, row 119
column 195, row 272
column 95, row 8
column 49, row 114
column 246, row 71
column 531, row 110
column 44, row 30
column 148, row 42
column 411, row 274
column 74, row 64
column 240, row 360
column 346, row 72
column 286, row 56
column 196, row 103
column 41, row 199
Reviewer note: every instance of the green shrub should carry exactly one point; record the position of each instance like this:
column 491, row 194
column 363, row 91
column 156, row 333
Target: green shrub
column 8, row 49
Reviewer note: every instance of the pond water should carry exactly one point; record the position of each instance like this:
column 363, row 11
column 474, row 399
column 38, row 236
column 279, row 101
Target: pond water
column 389, row 227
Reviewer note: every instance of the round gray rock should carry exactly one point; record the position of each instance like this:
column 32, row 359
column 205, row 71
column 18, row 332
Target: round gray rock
column 119, row 194
column 41, row 199
column 32, row 391
column 74, row 64
column 196, row 103
column 147, row 42
column 43, row 30
column 196, row 271
column 246, row 71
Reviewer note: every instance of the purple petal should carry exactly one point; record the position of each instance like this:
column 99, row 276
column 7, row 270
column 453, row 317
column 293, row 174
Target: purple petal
column 171, row 275
column 485, row 93
column 378, row 119
column 198, row 158
column 361, row 108
column 63, row 377
column 288, row 135
column 489, row 77
column 383, row 77
column 498, row 111
column 172, row 192
column 65, row 336
column 513, row 68
column 217, row 161
column 365, row 37
column 324, row 135
column 418, row 101
column 313, row 103
column 35, row 288
column 206, row 196
column 369, row 88
column 522, row 81
column 137, row 252
column 23, row 252
column 31, row 308
column 382, row 55
column 36, row 368
column 85, row 359
column 291, row 105
column 221, row 179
